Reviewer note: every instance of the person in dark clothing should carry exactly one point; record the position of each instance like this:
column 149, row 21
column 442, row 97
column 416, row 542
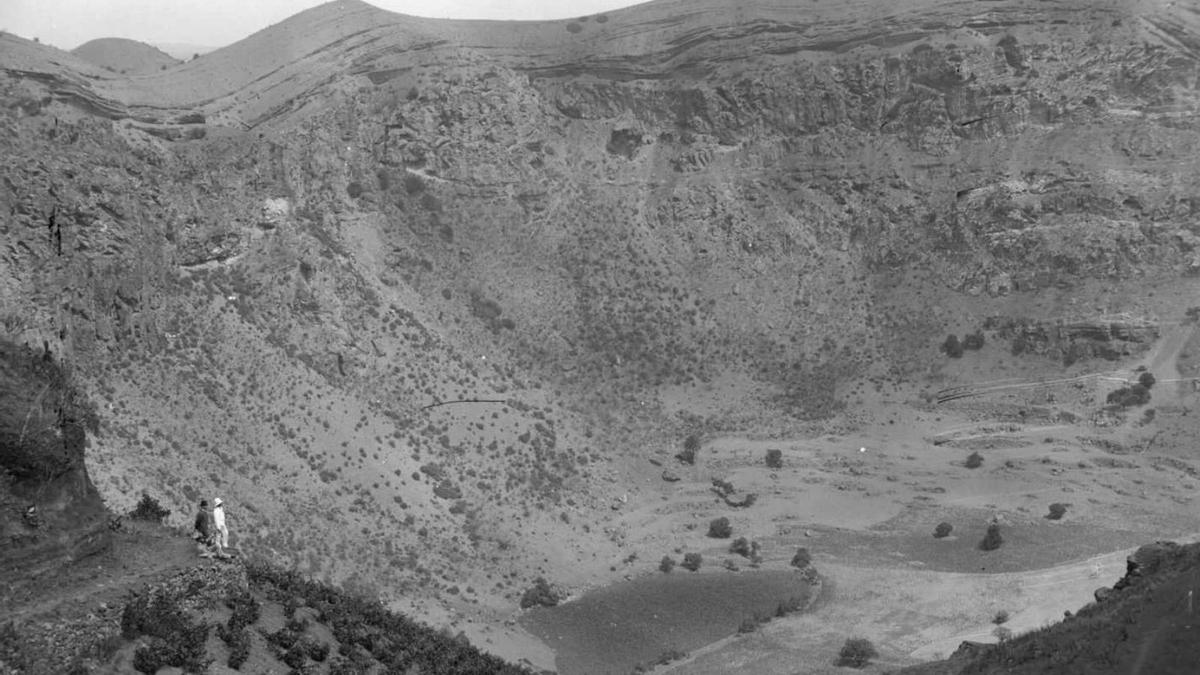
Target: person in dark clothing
column 204, row 531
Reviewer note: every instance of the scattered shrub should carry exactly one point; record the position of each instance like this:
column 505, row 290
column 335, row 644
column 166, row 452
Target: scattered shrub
column 952, row 347
column 1126, row 397
column 149, row 510
column 1057, row 511
column 666, row 564
column 942, row 530
column 856, row 653
column 1001, row 617
column 413, row 184
column 802, row 559
column 748, row 625
column 743, row 503
column 992, row 540
column 719, row 528
column 175, row 640
column 974, row 460
column 239, row 645
column 722, row 487
column 354, row 189
column 246, row 610
column 692, row 561
column 973, row 341
column 1002, row 634
column 574, row 27
column 691, row 444
column 775, row 458
column 1147, row 380
column 539, row 594
column 744, row 547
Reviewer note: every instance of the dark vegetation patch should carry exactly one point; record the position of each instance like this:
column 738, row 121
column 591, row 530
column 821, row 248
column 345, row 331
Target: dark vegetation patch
column 366, row 630
column 623, row 143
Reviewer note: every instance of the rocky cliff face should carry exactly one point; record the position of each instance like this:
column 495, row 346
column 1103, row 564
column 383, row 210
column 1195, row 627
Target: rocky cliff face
column 49, row 509
column 564, row 219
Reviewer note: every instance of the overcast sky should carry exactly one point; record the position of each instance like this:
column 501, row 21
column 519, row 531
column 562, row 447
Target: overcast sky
column 215, row 23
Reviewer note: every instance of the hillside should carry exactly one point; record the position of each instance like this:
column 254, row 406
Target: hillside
column 128, row 57
column 433, row 305
column 1143, row 624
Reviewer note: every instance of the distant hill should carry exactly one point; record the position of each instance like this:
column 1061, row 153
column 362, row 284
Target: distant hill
column 128, row 57
column 184, row 51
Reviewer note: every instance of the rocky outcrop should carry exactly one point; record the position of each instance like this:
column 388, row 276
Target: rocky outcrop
column 50, row 512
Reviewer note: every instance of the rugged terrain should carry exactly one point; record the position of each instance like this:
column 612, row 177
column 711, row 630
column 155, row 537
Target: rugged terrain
column 433, row 304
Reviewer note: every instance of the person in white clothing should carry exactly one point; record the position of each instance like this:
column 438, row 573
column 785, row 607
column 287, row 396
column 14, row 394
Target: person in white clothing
column 219, row 521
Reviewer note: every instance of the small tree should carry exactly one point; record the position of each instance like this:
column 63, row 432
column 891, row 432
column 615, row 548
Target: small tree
column 1147, row 379
column 539, row 594
column 719, row 528
column 974, row 460
column 666, row 564
column 691, row 445
column 992, row 540
column 775, row 458
column 148, row 509
column 802, row 559
column 691, row 561
column 1057, row 511
column 1126, row 397
column 744, row 547
column 952, row 347
column 856, row 653
column 942, row 530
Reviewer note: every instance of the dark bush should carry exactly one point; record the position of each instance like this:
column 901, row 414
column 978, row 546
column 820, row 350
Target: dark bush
column 856, row 653
column 666, row 564
column 413, row 184
column 744, row 547
column 943, row 530
column 1001, row 617
column 992, row 540
column 1126, row 397
column 748, row 625
column 691, row 561
column 539, row 594
column 574, row 27
column 974, row 460
column 775, row 458
column 149, row 510
column 354, row 189
column 719, row 528
column 1057, row 511
column 952, row 347
column 973, row 341
column 174, row 639
column 722, row 487
column 1147, row 380
column 691, row 444
column 802, row 559
column 1019, row 345
column 239, row 645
